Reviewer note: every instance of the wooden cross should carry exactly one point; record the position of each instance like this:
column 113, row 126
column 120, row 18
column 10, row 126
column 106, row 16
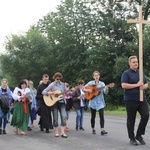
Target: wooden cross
column 140, row 22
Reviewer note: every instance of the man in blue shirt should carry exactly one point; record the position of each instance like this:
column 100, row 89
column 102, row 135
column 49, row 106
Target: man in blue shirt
column 131, row 85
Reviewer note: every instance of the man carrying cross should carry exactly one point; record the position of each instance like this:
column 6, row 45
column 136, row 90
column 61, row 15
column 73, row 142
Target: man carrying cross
column 134, row 83
column 131, row 84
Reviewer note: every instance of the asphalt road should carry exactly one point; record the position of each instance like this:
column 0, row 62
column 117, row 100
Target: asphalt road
column 117, row 138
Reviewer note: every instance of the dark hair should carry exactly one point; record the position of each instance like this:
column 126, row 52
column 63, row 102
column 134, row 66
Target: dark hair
column 22, row 82
column 80, row 82
column 57, row 74
column 45, row 76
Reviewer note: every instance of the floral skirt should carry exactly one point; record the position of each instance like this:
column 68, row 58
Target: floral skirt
column 19, row 117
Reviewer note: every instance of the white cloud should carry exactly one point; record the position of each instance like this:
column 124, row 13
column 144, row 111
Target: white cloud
column 18, row 15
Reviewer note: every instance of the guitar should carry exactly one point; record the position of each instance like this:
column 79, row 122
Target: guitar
column 95, row 90
column 50, row 100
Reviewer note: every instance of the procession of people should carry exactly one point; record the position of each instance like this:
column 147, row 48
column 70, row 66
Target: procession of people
column 54, row 99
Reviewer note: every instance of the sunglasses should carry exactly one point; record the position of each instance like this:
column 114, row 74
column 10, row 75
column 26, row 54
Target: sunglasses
column 58, row 79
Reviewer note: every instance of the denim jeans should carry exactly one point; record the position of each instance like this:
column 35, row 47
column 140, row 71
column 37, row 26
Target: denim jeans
column 3, row 119
column 79, row 117
column 61, row 108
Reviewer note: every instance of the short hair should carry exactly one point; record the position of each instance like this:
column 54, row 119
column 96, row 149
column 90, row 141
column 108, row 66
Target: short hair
column 96, row 72
column 132, row 57
column 57, row 74
column 80, row 82
column 30, row 82
column 45, row 76
column 4, row 79
column 22, row 82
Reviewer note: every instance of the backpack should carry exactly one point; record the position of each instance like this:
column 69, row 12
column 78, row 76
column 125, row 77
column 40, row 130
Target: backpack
column 4, row 103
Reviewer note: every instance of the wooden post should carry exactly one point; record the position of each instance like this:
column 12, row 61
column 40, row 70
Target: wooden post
column 140, row 21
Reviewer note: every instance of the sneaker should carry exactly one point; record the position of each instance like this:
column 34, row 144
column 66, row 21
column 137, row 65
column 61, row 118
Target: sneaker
column 93, row 131
column 104, row 132
column 133, row 142
column 4, row 131
column 81, row 128
column 140, row 139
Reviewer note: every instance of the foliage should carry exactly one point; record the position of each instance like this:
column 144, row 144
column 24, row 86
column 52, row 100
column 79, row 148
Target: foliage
column 80, row 37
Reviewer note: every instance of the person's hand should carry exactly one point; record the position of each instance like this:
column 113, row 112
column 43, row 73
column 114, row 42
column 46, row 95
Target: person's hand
column 140, row 83
column 51, row 93
column 106, row 87
column 79, row 98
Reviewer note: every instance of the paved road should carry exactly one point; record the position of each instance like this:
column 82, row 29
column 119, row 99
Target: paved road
column 78, row 140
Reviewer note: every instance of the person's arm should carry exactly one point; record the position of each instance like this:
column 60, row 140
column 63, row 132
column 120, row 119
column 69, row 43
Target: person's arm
column 131, row 86
column 15, row 94
column 48, row 90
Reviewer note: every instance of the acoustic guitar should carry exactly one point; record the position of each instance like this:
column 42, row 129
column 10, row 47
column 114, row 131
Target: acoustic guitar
column 95, row 90
column 50, row 100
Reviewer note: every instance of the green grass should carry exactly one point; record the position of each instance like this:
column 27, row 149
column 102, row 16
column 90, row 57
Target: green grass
column 115, row 110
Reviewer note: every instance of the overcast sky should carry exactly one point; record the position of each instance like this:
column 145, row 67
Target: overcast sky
column 18, row 15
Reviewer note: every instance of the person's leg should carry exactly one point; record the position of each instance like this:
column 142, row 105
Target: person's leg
column 93, row 115
column 131, row 108
column 78, row 116
column 0, row 125
column 67, row 112
column 1, row 118
column 55, row 120
column 144, row 113
column 4, row 123
column 102, row 121
column 63, row 116
column 81, row 118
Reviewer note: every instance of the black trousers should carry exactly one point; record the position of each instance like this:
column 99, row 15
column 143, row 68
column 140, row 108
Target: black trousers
column 101, row 116
column 132, row 107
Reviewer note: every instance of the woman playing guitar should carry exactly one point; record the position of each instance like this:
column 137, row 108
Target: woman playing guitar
column 97, row 102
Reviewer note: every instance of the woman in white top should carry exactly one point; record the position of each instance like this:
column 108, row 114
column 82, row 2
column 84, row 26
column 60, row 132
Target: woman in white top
column 20, row 117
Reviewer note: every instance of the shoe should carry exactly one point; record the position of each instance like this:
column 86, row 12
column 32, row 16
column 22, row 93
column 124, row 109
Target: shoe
column 133, row 142
column 104, row 132
column 140, row 139
column 93, row 131
column 41, row 128
column 56, row 135
column 4, row 131
column 29, row 129
column 81, row 128
column 67, row 129
column 7, row 121
column 64, row 136
column 23, row 133
column 0, row 131
column 47, row 131
column 76, row 128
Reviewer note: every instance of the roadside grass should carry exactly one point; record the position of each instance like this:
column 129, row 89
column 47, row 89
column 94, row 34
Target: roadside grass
column 115, row 110
column 119, row 110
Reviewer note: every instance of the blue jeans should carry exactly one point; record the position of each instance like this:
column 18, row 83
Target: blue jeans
column 3, row 119
column 67, row 113
column 62, row 110
column 79, row 117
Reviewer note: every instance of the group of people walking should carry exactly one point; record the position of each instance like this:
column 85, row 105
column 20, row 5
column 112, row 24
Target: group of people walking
column 28, row 102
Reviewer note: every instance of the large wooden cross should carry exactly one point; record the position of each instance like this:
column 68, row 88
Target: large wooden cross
column 140, row 22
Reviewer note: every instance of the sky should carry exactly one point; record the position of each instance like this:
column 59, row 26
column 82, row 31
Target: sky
column 18, row 15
